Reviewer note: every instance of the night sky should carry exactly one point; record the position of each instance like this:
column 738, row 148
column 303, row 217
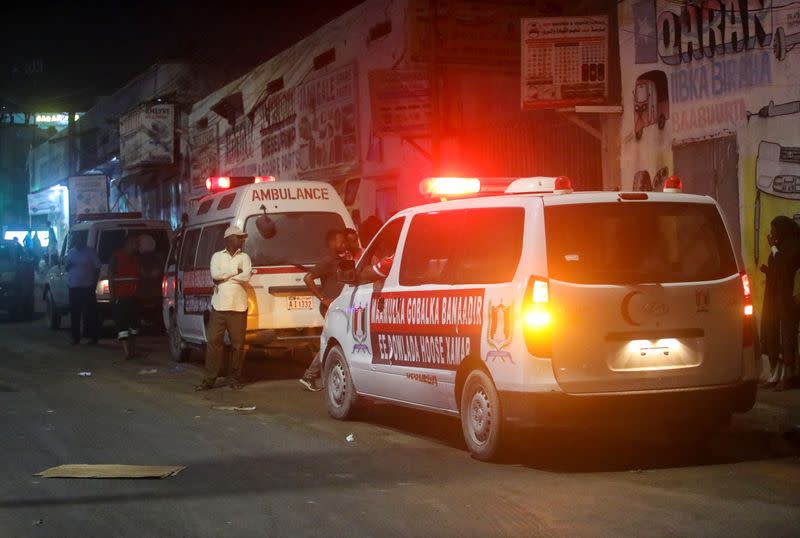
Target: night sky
column 57, row 57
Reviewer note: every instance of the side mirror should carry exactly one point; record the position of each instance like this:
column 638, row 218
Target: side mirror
column 265, row 225
column 346, row 272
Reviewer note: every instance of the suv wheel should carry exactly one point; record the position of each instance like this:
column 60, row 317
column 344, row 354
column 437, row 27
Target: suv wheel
column 177, row 349
column 53, row 317
column 481, row 416
column 340, row 393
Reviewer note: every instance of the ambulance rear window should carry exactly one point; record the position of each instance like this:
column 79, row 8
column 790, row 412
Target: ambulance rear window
column 297, row 238
column 637, row 243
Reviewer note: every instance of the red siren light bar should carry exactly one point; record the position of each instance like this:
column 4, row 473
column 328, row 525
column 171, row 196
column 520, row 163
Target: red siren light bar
column 222, row 183
column 673, row 184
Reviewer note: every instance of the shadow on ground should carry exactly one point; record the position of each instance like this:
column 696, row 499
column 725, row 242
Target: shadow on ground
column 579, row 451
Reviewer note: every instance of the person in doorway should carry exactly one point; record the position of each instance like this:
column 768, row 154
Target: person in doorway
column 230, row 270
column 353, row 247
column 83, row 270
column 779, row 319
column 326, row 292
column 125, row 272
column 52, row 245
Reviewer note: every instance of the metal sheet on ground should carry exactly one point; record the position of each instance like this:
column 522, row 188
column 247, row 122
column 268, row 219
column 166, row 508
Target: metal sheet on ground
column 111, row 471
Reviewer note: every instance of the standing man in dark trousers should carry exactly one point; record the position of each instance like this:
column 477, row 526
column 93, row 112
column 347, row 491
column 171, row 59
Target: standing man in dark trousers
column 124, row 279
column 83, row 270
column 230, row 271
column 328, row 290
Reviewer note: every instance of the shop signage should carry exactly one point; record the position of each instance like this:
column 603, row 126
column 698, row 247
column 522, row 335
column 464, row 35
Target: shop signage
column 564, row 61
column 401, row 102
column 147, row 136
column 87, row 194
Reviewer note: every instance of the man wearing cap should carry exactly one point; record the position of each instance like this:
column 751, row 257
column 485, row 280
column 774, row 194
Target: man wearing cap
column 230, row 271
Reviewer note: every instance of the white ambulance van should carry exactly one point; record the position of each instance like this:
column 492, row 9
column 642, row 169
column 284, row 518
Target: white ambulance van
column 286, row 223
column 540, row 306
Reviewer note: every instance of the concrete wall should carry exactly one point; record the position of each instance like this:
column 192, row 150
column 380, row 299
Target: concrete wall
column 726, row 83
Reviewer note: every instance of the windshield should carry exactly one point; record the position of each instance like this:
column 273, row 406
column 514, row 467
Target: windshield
column 298, row 238
column 642, row 93
column 637, row 243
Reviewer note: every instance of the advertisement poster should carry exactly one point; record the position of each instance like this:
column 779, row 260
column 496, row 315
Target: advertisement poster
column 310, row 130
column 564, row 61
column 147, row 136
column 87, row 194
column 426, row 329
column 45, row 202
column 401, row 102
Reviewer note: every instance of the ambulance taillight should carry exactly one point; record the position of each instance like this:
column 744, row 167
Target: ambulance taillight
column 537, row 317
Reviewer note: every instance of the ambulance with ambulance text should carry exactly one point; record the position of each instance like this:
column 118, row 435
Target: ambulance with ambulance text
column 286, row 223
column 527, row 303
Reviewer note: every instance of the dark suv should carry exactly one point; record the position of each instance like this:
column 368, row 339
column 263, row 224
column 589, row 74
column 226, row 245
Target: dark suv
column 16, row 281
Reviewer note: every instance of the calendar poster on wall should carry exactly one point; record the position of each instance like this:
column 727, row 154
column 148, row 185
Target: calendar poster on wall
column 564, row 61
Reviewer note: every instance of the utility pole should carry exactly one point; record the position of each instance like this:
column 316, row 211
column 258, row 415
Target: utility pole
column 433, row 65
column 71, row 144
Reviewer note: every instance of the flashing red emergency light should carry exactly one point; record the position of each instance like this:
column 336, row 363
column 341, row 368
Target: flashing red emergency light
column 563, row 185
column 673, row 184
column 221, row 183
column 747, row 326
column 450, row 187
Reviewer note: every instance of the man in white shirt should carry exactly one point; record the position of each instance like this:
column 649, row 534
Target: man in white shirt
column 230, row 271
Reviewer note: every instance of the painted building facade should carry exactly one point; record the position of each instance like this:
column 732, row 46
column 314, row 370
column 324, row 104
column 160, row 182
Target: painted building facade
column 711, row 92
column 352, row 104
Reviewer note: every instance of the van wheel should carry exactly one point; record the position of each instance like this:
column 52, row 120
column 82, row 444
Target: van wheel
column 340, row 392
column 662, row 121
column 52, row 315
column 177, row 350
column 481, row 417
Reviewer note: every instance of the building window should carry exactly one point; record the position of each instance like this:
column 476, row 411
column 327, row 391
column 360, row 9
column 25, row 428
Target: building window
column 326, row 58
column 379, row 30
column 226, row 201
column 204, row 207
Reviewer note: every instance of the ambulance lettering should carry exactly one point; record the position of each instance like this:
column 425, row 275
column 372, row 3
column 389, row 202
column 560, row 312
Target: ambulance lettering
column 290, row 193
column 425, row 329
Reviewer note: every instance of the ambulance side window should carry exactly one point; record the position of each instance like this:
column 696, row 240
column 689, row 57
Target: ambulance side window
column 429, row 249
column 384, row 244
column 211, row 241
column 491, row 247
column 188, row 249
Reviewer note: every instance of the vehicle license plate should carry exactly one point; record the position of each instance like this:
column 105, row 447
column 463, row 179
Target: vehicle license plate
column 303, row 302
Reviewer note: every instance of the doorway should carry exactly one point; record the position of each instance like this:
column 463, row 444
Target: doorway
column 711, row 167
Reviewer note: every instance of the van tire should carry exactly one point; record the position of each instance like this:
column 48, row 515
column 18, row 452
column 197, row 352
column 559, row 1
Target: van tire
column 662, row 121
column 340, row 392
column 481, row 417
column 177, row 348
column 52, row 316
